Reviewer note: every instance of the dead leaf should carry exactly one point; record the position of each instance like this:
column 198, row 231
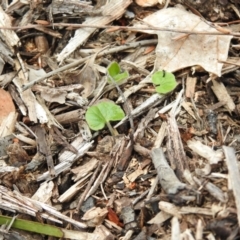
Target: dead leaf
column 88, row 77
column 17, row 155
column 194, row 49
column 54, row 95
column 6, row 106
column 112, row 216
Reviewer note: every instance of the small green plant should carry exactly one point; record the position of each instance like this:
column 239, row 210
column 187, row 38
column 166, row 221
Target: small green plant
column 115, row 72
column 102, row 113
column 165, row 81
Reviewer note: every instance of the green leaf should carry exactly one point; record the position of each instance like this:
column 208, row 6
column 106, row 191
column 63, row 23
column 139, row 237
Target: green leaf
column 114, row 71
column 45, row 229
column 32, row 226
column 165, row 81
column 105, row 111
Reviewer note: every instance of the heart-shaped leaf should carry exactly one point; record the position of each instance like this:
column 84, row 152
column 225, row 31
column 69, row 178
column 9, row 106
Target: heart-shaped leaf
column 114, row 71
column 165, row 81
column 105, row 111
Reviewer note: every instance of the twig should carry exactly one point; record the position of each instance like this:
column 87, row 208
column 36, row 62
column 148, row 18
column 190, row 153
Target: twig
column 75, row 26
column 136, row 200
column 76, row 63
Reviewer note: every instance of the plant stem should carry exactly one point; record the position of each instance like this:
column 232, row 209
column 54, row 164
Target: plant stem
column 112, row 130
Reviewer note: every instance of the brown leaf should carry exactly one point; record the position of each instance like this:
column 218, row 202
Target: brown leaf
column 6, row 105
column 112, row 216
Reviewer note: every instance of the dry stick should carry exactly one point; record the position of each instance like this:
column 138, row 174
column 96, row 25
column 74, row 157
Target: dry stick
column 76, row 63
column 225, row 32
column 81, row 200
column 124, row 100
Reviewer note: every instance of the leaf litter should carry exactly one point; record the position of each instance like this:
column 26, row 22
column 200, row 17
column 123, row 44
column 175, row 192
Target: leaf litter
column 166, row 164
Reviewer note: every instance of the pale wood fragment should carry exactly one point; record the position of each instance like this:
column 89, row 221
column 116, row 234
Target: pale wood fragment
column 10, row 37
column 212, row 189
column 111, row 11
column 175, row 229
column 5, row 79
column 161, row 135
column 160, row 218
column 71, row 192
column 103, row 233
column 221, row 92
column 199, row 230
column 234, row 175
column 44, row 192
column 69, row 117
column 27, row 140
column 149, row 103
column 27, row 96
column 170, row 209
column 196, row 210
column 67, row 158
column 205, row 151
column 83, row 170
column 190, row 87
column 16, row 4
column 8, row 124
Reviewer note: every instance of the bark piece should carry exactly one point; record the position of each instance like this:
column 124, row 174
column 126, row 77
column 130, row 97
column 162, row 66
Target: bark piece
column 12, row 90
column 44, row 148
column 126, row 154
column 55, row 132
column 70, row 117
column 167, row 178
column 119, row 204
column 175, row 151
column 73, row 7
column 234, row 175
column 129, row 218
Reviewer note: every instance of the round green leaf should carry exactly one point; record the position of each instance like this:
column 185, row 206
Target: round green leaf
column 113, row 69
column 115, row 72
column 94, row 118
column 166, row 81
column 121, row 76
column 105, row 111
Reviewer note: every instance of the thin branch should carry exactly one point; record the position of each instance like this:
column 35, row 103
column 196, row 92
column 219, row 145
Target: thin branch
column 80, row 61
column 76, row 26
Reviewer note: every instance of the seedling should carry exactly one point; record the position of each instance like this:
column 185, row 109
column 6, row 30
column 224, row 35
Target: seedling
column 165, row 81
column 115, row 72
column 102, row 113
